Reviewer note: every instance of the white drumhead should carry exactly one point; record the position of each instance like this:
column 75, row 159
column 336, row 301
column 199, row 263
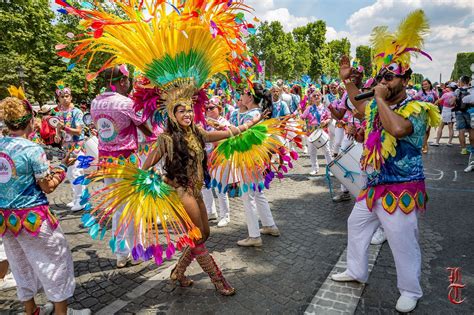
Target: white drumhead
column 53, row 121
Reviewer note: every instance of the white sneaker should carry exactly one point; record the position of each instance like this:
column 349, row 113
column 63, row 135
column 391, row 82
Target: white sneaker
column 8, row 282
column 223, row 222
column 305, row 150
column 46, row 309
column 378, row 237
column 331, row 174
column 212, row 216
column 342, row 277
column 469, row 168
column 70, row 205
column 314, row 173
column 405, row 304
column 84, row 311
column 77, row 207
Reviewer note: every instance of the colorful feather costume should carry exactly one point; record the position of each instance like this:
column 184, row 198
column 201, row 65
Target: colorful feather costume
column 175, row 46
column 393, row 53
column 247, row 158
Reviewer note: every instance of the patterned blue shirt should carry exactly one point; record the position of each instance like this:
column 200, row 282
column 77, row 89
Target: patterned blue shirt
column 280, row 109
column 22, row 163
column 237, row 119
column 407, row 164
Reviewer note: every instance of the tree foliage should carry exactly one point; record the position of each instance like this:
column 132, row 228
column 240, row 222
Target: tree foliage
column 364, row 54
column 462, row 66
column 27, row 40
column 417, row 78
column 284, row 58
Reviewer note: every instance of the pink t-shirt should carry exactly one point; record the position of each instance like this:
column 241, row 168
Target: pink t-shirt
column 448, row 100
column 116, row 122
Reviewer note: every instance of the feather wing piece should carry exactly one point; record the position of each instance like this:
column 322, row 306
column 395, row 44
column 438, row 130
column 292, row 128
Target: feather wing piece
column 244, row 158
column 149, row 206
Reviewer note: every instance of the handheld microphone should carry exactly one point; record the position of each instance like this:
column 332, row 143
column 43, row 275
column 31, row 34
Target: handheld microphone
column 365, row 95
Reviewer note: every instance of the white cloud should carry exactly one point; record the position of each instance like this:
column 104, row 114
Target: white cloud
column 265, row 10
column 448, row 36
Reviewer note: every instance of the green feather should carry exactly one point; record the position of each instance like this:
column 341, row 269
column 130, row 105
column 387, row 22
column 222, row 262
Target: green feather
column 243, row 142
column 182, row 66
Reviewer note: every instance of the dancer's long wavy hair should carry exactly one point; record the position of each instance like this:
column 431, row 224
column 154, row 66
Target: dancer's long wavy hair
column 176, row 167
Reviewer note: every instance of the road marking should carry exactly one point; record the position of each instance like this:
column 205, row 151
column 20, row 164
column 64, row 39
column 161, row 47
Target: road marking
column 455, row 176
column 342, row 297
column 436, row 176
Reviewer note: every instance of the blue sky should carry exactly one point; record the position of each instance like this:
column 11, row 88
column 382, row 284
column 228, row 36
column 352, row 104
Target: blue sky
column 451, row 21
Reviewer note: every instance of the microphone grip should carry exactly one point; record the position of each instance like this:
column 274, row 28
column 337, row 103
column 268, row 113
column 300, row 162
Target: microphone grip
column 363, row 96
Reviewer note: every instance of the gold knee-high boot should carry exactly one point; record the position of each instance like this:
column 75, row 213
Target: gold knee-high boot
column 177, row 274
column 208, row 264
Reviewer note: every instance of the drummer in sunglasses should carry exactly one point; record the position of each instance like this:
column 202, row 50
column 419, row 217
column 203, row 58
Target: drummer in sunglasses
column 392, row 160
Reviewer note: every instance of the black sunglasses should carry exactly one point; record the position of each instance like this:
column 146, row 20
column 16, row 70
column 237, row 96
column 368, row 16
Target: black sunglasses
column 210, row 108
column 388, row 76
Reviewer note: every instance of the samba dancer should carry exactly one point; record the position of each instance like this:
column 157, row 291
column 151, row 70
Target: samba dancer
column 255, row 203
column 71, row 129
column 392, row 158
column 347, row 119
column 317, row 117
column 35, row 245
column 116, row 123
column 215, row 121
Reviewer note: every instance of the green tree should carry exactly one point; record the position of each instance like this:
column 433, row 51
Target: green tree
column 314, row 34
column 276, row 47
column 28, row 39
column 462, row 66
column 364, row 54
column 335, row 50
column 417, row 78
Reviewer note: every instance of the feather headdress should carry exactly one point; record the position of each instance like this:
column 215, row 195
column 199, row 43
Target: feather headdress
column 173, row 43
column 393, row 51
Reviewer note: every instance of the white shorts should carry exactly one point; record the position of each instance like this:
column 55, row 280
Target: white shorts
column 42, row 261
column 447, row 115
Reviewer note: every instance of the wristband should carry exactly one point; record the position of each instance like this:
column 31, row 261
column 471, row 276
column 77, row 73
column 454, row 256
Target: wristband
column 347, row 81
column 63, row 167
column 230, row 132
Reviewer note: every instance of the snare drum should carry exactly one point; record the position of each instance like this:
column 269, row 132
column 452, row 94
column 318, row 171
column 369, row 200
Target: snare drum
column 319, row 137
column 346, row 168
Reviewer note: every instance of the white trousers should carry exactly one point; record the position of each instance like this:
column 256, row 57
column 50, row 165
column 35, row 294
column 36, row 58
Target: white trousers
column 208, row 198
column 402, row 234
column 313, row 154
column 124, row 234
column 42, row 261
column 72, row 173
column 338, row 136
column 332, row 132
column 256, row 206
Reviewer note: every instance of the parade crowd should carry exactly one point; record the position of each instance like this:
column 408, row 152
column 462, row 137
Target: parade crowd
column 390, row 129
